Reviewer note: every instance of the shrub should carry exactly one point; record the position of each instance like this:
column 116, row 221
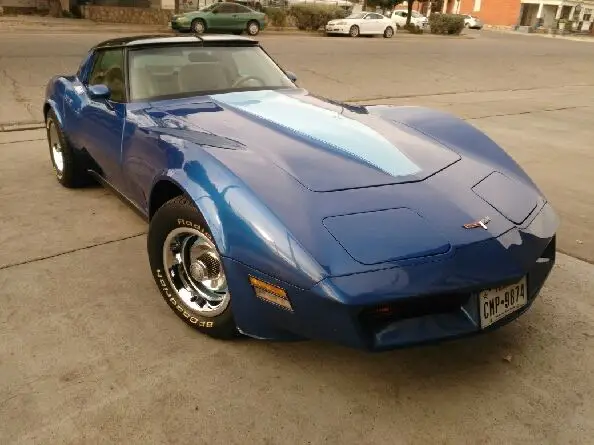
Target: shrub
column 446, row 23
column 278, row 16
column 314, row 16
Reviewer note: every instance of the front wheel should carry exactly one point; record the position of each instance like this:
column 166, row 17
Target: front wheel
column 253, row 28
column 389, row 32
column 198, row 26
column 354, row 31
column 188, row 269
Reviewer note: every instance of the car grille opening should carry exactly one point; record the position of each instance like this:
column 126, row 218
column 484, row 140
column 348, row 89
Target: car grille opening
column 376, row 316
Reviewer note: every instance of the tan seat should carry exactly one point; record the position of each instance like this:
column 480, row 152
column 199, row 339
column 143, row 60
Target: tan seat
column 202, row 77
column 141, row 84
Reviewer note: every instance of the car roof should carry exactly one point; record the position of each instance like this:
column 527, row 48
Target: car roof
column 165, row 39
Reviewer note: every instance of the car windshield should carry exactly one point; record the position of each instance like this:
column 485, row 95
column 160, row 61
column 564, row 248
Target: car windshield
column 358, row 15
column 189, row 70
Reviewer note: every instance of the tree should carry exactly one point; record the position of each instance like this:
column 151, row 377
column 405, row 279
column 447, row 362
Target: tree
column 384, row 4
column 410, row 8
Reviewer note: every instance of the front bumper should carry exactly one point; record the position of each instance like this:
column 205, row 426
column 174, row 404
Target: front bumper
column 337, row 29
column 179, row 26
column 434, row 300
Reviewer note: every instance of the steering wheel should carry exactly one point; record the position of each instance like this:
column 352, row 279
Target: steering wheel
column 244, row 79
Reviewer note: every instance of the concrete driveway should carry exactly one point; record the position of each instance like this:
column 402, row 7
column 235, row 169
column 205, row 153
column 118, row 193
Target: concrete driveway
column 90, row 353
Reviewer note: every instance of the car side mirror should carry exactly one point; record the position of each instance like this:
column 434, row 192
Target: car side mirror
column 291, row 76
column 100, row 91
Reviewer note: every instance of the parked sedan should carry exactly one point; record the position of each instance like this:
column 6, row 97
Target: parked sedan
column 362, row 23
column 472, row 22
column 221, row 17
column 399, row 17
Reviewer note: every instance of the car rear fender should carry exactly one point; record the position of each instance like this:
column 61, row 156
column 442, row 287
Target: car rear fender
column 54, row 98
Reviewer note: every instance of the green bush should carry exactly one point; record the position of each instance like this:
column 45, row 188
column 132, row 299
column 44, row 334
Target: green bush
column 278, row 16
column 314, row 16
column 446, row 23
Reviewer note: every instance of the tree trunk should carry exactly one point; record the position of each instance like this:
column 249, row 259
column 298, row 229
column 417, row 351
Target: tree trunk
column 410, row 7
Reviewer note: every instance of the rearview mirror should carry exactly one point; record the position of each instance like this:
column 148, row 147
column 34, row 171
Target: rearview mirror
column 291, row 76
column 100, row 91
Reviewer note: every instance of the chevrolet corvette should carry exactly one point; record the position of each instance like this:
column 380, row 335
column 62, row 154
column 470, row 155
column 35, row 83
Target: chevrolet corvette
column 278, row 214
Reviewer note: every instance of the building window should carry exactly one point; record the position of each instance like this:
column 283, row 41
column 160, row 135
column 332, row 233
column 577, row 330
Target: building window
column 477, row 5
column 587, row 15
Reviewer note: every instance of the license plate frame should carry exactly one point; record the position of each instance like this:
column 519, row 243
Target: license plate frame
column 497, row 303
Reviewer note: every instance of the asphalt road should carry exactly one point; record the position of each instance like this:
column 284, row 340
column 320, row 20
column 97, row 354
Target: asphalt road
column 89, row 352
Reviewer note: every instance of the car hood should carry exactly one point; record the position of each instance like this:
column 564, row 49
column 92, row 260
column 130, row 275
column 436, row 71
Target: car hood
column 324, row 146
column 358, row 191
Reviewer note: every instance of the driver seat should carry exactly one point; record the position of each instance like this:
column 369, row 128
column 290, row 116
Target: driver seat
column 202, row 76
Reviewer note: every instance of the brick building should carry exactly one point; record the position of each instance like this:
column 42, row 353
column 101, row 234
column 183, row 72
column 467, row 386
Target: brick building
column 516, row 12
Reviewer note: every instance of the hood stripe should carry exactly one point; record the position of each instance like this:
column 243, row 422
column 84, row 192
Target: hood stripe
column 336, row 131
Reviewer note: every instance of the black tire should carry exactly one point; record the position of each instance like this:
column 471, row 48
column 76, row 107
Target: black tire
column 73, row 172
column 388, row 32
column 252, row 28
column 354, row 31
column 176, row 214
column 198, row 26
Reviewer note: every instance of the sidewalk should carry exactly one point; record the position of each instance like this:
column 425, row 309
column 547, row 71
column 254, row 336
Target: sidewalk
column 509, row 30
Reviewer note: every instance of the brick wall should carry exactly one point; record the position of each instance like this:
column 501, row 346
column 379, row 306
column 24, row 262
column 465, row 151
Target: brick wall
column 115, row 14
column 493, row 12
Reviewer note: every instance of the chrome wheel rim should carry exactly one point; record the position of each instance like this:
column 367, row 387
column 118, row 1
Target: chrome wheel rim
column 354, row 31
column 389, row 32
column 199, row 28
column 195, row 271
column 56, row 147
column 253, row 28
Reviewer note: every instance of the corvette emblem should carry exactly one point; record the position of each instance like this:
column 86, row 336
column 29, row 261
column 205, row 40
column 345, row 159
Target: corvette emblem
column 480, row 223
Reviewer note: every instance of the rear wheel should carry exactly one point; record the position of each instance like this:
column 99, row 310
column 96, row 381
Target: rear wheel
column 253, row 27
column 354, row 31
column 69, row 167
column 198, row 26
column 188, row 269
column 389, row 32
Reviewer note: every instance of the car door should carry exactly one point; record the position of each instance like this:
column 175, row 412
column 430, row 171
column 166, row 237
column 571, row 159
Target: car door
column 221, row 18
column 366, row 24
column 377, row 22
column 241, row 16
column 101, row 121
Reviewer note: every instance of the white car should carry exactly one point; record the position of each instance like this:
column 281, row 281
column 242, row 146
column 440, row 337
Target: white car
column 362, row 23
column 399, row 16
column 472, row 22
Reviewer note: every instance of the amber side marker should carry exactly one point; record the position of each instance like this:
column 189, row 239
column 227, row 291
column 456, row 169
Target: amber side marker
column 271, row 293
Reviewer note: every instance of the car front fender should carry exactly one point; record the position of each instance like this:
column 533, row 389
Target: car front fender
column 455, row 134
column 244, row 229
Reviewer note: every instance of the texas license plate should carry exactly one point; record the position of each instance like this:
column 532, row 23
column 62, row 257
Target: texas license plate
column 497, row 303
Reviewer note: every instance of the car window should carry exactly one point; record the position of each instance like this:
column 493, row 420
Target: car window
column 226, row 9
column 374, row 16
column 189, row 70
column 242, row 9
column 108, row 69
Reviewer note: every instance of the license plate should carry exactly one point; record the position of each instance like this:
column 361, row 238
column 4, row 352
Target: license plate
column 496, row 303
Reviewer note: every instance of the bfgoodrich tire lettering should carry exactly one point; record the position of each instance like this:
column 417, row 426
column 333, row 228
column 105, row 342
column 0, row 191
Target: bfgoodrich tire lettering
column 180, row 217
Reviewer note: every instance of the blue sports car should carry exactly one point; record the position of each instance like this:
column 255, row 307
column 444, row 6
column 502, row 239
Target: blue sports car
column 277, row 214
